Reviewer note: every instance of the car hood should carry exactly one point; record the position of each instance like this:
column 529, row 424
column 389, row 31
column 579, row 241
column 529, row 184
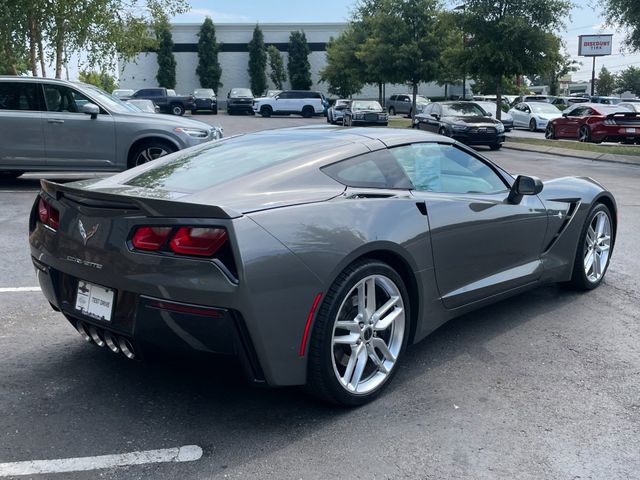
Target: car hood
column 168, row 120
column 368, row 111
column 488, row 121
column 547, row 116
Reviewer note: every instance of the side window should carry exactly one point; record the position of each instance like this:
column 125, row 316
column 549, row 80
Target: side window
column 393, row 98
column 19, row 96
column 371, row 170
column 435, row 167
column 59, row 98
column 284, row 96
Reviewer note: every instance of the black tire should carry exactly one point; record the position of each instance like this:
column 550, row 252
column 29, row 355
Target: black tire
column 550, row 132
column 11, row 175
column 579, row 278
column 266, row 111
column 584, row 134
column 410, row 115
column 392, row 111
column 443, row 131
column 230, row 111
column 307, row 111
column 138, row 156
column 193, row 111
column 177, row 109
column 495, row 146
column 214, row 110
column 533, row 126
column 322, row 381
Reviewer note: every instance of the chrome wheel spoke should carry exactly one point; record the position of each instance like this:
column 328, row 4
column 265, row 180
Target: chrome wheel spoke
column 380, row 344
column 373, row 355
column 351, row 326
column 361, row 363
column 591, row 235
column 350, row 339
column 588, row 261
column 597, row 246
column 351, row 365
column 387, row 321
column 370, row 304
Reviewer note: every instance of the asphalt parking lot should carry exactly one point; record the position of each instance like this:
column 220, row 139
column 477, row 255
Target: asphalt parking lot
column 545, row 385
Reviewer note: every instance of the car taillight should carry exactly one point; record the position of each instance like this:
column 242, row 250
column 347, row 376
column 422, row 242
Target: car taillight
column 201, row 242
column 609, row 121
column 193, row 241
column 48, row 215
column 150, row 238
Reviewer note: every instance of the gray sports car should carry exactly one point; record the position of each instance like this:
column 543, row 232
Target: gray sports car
column 315, row 255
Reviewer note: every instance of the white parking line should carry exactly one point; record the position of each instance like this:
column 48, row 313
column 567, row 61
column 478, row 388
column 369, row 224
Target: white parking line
column 19, row 289
column 186, row 453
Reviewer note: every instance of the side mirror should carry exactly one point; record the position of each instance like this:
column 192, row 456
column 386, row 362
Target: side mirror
column 565, row 114
column 524, row 186
column 436, row 116
column 489, row 114
column 91, row 109
column 406, row 100
column 277, row 97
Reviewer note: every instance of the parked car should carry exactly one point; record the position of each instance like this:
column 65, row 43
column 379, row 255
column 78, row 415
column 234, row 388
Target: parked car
column 240, row 100
column 166, row 100
column 532, row 98
column 298, row 102
column 605, row 100
column 143, row 105
column 336, row 111
column 122, row 93
column 55, row 125
column 364, row 112
column 492, row 108
column 631, row 106
column 534, row 115
column 593, row 122
column 564, row 102
column 204, row 99
column 403, row 103
column 462, row 121
column 307, row 253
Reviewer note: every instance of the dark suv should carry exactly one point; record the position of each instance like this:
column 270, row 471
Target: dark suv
column 240, row 100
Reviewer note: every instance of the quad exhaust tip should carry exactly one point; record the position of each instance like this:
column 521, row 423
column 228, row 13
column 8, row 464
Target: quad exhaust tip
column 101, row 338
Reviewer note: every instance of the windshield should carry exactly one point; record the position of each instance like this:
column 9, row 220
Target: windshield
column 241, row 92
column 421, row 99
column 341, row 104
column 489, row 107
column 204, row 92
column 359, row 105
column 463, row 110
column 109, row 101
column 543, row 108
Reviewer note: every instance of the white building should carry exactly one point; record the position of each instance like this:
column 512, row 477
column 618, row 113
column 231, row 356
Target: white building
column 234, row 58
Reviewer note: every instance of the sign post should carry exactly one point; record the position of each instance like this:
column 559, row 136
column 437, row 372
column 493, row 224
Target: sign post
column 594, row 46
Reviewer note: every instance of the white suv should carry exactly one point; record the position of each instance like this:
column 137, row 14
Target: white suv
column 301, row 102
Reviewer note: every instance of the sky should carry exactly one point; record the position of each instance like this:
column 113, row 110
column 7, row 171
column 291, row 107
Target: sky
column 585, row 19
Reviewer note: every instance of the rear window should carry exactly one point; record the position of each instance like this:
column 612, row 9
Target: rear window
column 223, row 161
column 19, row 96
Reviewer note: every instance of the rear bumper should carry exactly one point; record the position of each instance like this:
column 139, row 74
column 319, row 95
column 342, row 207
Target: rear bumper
column 615, row 134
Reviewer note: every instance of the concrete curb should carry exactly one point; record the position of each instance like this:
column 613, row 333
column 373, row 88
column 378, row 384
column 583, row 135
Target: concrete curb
column 583, row 155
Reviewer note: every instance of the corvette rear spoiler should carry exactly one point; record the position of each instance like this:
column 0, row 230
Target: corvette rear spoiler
column 153, row 207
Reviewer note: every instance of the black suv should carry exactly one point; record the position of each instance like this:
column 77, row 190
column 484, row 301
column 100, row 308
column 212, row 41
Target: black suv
column 240, row 100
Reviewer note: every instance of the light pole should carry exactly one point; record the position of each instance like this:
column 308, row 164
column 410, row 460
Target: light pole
column 463, row 8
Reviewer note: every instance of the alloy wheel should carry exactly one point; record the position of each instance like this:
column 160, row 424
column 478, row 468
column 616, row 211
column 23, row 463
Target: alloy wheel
column 549, row 133
column 584, row 135
column 368, row 334
column 150, row 153
column 597, row 247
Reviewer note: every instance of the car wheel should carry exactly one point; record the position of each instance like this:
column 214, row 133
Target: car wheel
column 584, row 134
column 410, row 114
column 550, row 133
column 229, row 111
column 495, row 146
column 392, row 111
column 148, row 151
column 360, row 334
column 329, row 118
column 533, row 126
column 215, row 110
column 177, row 109
column 594, row 249
column 307, row 112
column 193, row 111
column 266, row 111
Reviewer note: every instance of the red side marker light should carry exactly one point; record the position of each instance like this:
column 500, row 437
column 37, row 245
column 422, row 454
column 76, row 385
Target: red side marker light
column 307, row 327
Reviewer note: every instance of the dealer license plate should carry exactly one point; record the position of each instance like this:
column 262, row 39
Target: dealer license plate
column 631, row 130
column 94, row 300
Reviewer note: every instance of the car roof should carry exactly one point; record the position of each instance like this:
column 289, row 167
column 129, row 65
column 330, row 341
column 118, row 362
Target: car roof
column 35, row 79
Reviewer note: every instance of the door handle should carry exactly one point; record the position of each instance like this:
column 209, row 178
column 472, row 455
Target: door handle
column 55, row 120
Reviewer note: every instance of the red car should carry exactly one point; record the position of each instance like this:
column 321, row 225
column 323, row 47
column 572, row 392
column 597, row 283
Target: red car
column 595, row 122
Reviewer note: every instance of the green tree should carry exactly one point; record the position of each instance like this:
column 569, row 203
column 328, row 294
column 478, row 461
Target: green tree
column 451, row 67
column 406, row 33
column 100, row 79
column 166, row 75
column 606, row 82
column 344, row 72
column 257, row 62
column 488, row 86
column 511, row 37
column 629, row 80
column 208, row 69
column 298, row 63
column 13, row 38
column 277, row 73
column 624, row 13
